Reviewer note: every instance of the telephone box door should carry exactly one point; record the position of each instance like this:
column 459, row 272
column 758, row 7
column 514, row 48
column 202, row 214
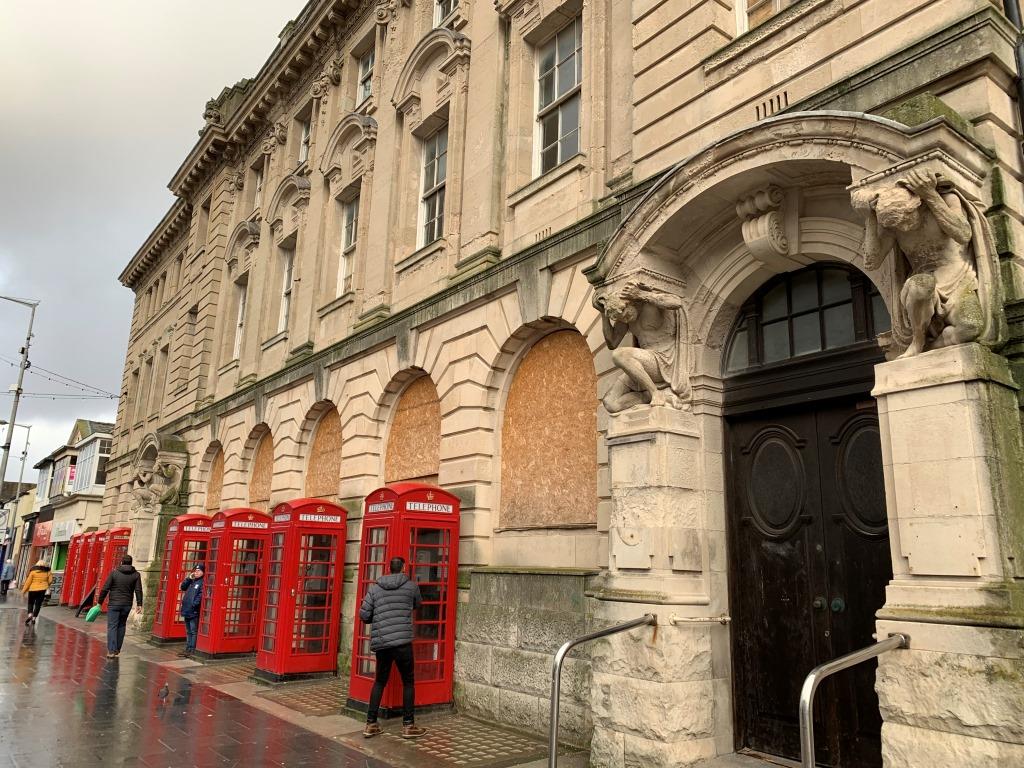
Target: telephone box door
column 70, row 569
column 374, row 555
column 185, row 547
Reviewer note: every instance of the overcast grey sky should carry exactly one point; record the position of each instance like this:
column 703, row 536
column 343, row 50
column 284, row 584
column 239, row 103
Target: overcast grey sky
column 99, row 103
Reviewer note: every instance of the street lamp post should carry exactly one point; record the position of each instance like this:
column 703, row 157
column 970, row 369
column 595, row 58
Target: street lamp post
column 5, row 513
column 21, row 378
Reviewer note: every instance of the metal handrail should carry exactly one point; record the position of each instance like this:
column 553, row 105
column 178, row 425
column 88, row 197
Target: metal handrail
column 556, row 673
column 820, row 672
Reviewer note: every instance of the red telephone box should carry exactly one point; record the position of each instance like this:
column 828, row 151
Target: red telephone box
column 89, row 556
column 185, row 547
column 70, row 569
column 233, row 585
column 114, row 547
column 421, row 524
column 302, row 600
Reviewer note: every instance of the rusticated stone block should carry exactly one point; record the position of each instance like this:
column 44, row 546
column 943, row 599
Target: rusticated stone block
column 904, row 746
column 606, row 749
column 672, row 655
column 472, row 662
column 656, row 711
column 530, row 672
column 520, row 710
column 553, row 592
column 644, row 753
column 972, row 696
column 477, row 700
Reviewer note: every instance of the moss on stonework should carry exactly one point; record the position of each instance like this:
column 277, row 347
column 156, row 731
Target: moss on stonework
column 924, row 107
column 998, row 188
column 1002, row 232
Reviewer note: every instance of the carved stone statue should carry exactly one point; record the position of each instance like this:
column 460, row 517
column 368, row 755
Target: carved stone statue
column 656, row 370
column 945, row 260
column 154, row 485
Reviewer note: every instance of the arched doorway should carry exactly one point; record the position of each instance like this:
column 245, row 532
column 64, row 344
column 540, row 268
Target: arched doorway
column 808, row 537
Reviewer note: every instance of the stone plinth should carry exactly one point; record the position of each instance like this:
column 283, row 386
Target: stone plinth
column 660, row 695
column 954, row 471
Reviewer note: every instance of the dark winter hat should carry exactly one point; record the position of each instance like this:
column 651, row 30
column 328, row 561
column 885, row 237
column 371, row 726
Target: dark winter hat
column 126, row 560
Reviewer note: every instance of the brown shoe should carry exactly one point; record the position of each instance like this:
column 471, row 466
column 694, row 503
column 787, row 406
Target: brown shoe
column 371, row 730
column 412, row 731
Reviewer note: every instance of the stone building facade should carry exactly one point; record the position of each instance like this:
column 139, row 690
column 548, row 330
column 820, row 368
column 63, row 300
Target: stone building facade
column 705, row 309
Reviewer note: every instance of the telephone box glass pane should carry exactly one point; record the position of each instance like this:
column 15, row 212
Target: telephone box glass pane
column 273, row 596
column 374, row 554
column 242, row 602
column 311, row 629
column 429, row 553
column 208, row 582
column 161, row 598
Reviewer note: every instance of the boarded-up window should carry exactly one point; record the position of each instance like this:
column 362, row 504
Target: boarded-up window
column 215, row 483
column 261, row 474
column 324, row 468
column 414, row 444
column 549, row 437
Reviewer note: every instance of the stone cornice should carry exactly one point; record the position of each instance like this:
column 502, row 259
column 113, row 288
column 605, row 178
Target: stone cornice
column 301, row 41
column 171, row 226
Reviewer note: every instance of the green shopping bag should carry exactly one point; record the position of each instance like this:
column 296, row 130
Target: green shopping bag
column 93, row 613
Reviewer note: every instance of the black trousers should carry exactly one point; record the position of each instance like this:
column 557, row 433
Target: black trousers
column 35, row 601
column 402, row 657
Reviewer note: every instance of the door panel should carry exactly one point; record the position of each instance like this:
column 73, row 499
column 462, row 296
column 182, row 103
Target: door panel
column 809, row 561
column 860, row 565
column 778, row 568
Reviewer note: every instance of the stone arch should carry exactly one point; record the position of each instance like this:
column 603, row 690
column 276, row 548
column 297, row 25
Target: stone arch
column 413, row 446
column 321, row 432
column 442, row 45
column 293, row 191
column 212, row 471
column 356, row 132
column 258, row 458
column 548, row 439
column 243, row 241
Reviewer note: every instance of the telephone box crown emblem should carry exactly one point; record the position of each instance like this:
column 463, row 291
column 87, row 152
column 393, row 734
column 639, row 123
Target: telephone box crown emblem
column 430, row 495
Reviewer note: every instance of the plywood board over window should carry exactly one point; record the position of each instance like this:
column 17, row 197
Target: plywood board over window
column 324, row 469
column 414, row 443
column 262, row 473
column 215, row 484
column 549, row 437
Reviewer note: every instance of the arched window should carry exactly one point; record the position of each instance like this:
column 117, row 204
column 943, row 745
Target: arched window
column 549, row 437
column 324, row 469
column 215, row 483
column 414, row 442
column 262, row 473
column 813, row 310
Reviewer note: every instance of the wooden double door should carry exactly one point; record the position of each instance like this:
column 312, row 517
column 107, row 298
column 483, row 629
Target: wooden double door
column 809, row 562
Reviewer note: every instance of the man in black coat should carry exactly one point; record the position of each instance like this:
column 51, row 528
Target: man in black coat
column 388, row 607
column 123, row 583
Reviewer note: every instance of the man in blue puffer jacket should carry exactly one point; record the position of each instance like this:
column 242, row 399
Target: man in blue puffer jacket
column 388, row 607
column 191, row 602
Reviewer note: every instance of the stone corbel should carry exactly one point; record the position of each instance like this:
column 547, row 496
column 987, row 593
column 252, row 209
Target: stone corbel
column 763, row 226
column 410, row 109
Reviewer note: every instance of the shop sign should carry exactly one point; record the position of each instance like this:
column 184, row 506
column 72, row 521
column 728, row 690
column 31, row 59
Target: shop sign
column 41, row 536
column 62, row 531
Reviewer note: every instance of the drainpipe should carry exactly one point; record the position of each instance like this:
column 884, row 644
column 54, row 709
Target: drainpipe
column 1011, row 8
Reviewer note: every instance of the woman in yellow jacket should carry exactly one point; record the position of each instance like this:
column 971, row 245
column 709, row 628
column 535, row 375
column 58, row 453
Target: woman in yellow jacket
column 37, row 584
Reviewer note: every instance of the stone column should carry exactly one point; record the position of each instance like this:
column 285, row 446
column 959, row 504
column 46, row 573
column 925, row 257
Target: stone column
column 660, row 695
column 954, row 475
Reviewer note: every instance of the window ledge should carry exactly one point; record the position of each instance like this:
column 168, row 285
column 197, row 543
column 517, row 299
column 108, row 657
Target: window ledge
column 753, row 38
column 274, row 340
column 335, row 304
column 303, row 169
column 228, row 367
column 422, row 254
column 575, row 163
column 366, row 107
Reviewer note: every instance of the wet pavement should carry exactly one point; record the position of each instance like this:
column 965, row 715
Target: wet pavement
column 63, row 703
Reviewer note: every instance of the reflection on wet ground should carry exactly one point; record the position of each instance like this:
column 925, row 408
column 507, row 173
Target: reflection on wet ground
column 63, row 703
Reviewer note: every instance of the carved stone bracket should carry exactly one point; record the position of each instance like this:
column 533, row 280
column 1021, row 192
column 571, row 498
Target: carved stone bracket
column 763, row 225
